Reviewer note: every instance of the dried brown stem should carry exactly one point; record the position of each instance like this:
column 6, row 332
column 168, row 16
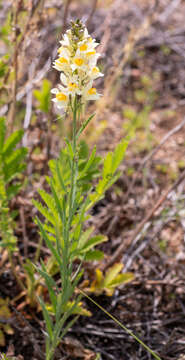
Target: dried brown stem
column 65, row 15
column 118, row 252
column 154, row 151
column 94, row 5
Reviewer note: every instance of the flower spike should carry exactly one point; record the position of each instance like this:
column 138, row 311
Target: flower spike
column 77, row 63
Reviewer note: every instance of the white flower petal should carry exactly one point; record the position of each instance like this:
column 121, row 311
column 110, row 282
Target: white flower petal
column 63, row 79
column 54, row 91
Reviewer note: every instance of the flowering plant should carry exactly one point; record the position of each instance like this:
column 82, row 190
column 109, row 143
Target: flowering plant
column 66, row 208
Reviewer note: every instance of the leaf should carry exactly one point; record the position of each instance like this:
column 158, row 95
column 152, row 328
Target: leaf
column 93, row 242
column 12, row 191
column 121, row 279
column 3, row 68
column 89, row 163
column 85, row 123
column 14, row 165
column 50, row 285
column 78, row 309
column 47, row 318
column 12, row 141
column 94, row 255
column 112, row 273
column 2, row 133
column 48, row 242
column 99, row 277
column 84, row 237
column 44, row 211
column 107, row 165
column 119, row 154
column 43, row 96
column 48, row 199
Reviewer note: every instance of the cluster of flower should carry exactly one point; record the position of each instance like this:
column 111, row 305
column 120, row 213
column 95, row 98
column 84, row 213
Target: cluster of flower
column 78, row 65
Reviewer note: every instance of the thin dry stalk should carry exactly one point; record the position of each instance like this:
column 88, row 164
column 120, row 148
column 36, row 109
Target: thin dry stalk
column 11, row 115
column 65, row 15
column 116, row 71
column 118, row 252
column 93, row 9
column 153, row 152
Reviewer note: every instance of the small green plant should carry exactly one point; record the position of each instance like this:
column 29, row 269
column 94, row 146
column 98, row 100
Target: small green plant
column 43, row 96
column 112, row 279
column 66, row 208
column 12, row 164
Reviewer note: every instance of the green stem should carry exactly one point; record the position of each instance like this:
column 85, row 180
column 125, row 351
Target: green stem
column 66, row 270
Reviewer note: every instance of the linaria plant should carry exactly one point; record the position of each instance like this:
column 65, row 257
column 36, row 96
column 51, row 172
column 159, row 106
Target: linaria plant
column 72, row 190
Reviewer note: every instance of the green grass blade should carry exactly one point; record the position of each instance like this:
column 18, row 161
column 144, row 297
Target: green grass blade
column 122, row 326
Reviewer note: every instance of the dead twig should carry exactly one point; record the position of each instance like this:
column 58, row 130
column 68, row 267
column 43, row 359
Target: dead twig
column 65, row 15
column 94, row 5
column 139, row 228
column 153, row 152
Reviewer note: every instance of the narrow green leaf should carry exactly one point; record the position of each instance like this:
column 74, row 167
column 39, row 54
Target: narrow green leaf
column 48, row 242
column 119, row 154
column 11, row 142
column 93, row 242
column 82, row 128
column 2, row 133
column 107, row 166
column 84, row 237
column 60, row 177
column 44, row 211
column 89, row 163
column 47, row 318
column 51, row 284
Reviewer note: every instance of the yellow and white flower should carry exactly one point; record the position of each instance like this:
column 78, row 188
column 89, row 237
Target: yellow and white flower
column 90, row 93
column 77, row 63
column 71, row 84
column 95, row 73
column 62, row 97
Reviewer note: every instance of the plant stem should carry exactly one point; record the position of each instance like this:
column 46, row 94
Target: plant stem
column 14, row 271
column 66, row 261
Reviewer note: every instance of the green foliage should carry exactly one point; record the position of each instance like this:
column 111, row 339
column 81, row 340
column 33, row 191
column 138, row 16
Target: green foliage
column 3, row 66
column 11, row 166
column 44, row 96
column 6, row 29
column 110, row 281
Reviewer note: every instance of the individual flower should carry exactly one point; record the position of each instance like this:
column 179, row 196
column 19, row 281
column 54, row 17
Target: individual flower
column 71, row 84
column 61, row 97
column 90, row 93
column 95, row 73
